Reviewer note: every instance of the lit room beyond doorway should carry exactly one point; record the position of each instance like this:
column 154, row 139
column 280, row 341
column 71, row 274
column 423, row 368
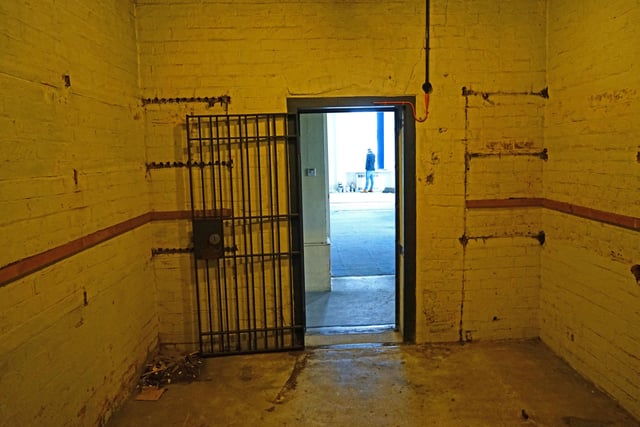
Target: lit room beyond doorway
column 358, row 293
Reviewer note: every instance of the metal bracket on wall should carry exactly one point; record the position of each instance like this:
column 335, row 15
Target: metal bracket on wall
column 166, row 251
column 188, row 164
column 171, row 251
column 544, row 154
column 223, row 100
column 540, row 237
column 543, row 93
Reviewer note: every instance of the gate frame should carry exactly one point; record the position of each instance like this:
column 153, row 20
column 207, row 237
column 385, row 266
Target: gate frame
column 292, row 150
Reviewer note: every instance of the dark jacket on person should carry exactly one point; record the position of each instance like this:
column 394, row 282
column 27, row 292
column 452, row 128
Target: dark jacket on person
column 371, row 162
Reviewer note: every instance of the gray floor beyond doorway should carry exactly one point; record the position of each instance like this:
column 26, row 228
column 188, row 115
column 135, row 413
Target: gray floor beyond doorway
column 363, row 240
column 478, row 384
column 353, row 301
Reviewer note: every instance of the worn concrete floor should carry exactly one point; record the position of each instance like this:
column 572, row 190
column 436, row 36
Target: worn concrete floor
column 478, row 384
column 353, row 301
column 362, row 234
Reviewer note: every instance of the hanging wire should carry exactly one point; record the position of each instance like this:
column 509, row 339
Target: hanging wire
column 426, row 86
column 410, row 104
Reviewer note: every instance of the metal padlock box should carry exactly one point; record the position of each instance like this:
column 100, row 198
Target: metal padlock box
column 208, row 238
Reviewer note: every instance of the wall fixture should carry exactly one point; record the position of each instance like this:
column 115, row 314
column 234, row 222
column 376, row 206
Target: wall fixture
column 223, row 100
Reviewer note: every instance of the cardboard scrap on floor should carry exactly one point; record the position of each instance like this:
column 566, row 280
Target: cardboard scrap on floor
column 150, row 393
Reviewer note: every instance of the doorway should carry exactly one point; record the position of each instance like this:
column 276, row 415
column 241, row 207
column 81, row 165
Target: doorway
column 355, row 250
column 359, row 292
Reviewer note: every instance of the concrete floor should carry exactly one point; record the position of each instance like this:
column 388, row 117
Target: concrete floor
column 478, row 384
column 362, row 234
column 353, row 301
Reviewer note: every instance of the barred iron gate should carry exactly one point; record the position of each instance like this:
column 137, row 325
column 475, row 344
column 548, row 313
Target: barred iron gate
column 247, row 232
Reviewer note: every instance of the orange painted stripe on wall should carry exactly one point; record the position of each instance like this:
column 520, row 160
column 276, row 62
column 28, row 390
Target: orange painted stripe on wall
column 624, row 221
column 30, row 265
column 524, row 202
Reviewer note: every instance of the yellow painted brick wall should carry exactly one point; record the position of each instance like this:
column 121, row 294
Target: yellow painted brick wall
column 175, row 286
column 591, row 121
column 262, row 52
column 502, row 274
column 72, row 163
column 589, row 299
column 71, row 363
column 589, row 302
column 492, row 48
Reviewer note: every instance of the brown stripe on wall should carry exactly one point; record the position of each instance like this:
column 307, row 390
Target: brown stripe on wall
column 29, row 265
column 624, row 221
column 630, row 222
column 505, row 203
column 170, row 215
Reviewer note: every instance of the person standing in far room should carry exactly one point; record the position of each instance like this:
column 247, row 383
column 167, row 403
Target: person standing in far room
column 369, row 167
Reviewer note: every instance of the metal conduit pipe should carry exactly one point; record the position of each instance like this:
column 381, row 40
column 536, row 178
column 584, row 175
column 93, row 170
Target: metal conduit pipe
column 426, row 86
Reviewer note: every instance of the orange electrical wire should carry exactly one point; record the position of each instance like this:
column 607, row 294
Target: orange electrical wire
column 413, row 108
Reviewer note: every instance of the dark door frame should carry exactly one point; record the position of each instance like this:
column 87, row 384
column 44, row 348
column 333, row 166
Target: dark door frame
column 407, row 174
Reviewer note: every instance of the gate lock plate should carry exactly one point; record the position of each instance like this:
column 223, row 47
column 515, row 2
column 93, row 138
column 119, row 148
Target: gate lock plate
column 208, row 238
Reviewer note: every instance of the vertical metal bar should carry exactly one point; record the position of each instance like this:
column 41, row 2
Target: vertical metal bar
column 265, row 324
column 208, row 274
column 233, row 235
column 209, row 310
column 221, row 344
column 213, row 177
column 278, row 225
column 272, row 225
column 250, row 216
column 295, row 194
column 204, row 207
column 219, row 293
column 289, row 230
column 195, row 260
column 222, row 260
column 203, row 185
column 202, row 178
column 244, row 182
column 190, row 169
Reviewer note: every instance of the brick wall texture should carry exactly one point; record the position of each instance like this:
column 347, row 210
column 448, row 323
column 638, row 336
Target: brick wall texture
column 74, row 151
column 589, row 299
column 74, row 335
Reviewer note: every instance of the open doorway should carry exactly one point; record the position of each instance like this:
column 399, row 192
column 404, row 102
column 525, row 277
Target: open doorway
column 312, row 137
column 359, row 294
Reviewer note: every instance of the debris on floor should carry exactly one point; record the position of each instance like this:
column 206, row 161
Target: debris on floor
column 166, row 369
column 505, row 383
